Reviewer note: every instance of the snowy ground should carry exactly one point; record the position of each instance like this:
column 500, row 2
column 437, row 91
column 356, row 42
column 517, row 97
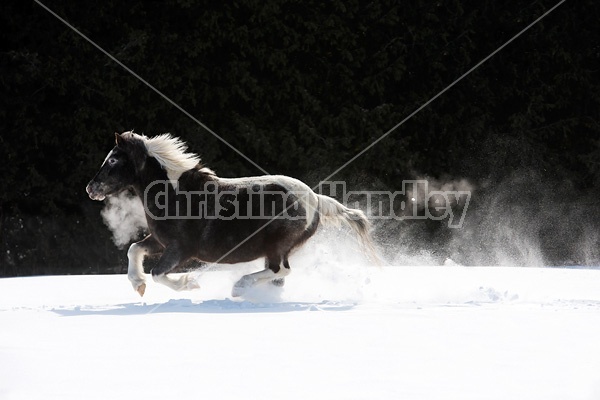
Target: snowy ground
column 330, row 333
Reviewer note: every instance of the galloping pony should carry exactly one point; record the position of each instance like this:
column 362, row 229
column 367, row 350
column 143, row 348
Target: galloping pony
column 194, row 214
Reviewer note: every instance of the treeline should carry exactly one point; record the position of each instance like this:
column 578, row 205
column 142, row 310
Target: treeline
column 299, row 87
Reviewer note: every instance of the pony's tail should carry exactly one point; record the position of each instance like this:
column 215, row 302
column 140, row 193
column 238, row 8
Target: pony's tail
column 333, row 213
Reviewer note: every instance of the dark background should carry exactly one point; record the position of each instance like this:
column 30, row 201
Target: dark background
column 300, row 87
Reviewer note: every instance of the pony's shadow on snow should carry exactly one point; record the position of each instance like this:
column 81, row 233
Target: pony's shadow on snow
column 225, row 306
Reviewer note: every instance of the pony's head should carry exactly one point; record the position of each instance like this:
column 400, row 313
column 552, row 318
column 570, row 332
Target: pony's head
column 120, row 167
column 129, row 157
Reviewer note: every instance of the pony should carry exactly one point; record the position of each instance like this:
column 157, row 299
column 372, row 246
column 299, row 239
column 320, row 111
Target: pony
column 194, row 214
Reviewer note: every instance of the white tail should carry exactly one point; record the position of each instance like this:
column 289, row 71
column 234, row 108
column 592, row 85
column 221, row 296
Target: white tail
column 334, row 213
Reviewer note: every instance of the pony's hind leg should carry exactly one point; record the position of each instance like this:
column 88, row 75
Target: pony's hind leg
column 274, row 272
column 279, row 282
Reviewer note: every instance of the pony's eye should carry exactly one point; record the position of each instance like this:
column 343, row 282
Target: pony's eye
column 112, row 161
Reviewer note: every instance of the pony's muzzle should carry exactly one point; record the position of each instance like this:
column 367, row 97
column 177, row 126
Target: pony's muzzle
column 94, row 190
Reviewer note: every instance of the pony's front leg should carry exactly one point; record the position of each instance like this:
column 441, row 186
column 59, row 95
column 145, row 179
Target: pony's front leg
column 170, row 259
column 135, row 268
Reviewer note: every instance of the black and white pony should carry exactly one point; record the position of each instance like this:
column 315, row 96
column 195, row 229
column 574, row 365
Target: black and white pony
column 192, row 213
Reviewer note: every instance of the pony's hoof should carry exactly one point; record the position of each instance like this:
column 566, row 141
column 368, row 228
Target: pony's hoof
column 278, row 282
column 141, row 289
column 240, row 286
column 238, row 291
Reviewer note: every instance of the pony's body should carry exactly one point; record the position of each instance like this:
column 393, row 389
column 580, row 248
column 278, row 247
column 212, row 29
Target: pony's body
column 192, row 213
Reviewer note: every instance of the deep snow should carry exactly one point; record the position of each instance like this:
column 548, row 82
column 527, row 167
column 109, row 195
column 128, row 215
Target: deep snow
column 360, row 333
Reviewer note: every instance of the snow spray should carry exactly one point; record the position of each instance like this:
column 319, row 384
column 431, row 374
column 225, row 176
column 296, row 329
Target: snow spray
column 522, row 220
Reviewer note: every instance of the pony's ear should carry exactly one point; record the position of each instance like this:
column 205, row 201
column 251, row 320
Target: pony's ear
column 119, row 141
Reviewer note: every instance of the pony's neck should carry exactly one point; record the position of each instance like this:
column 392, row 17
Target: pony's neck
column 152, row 185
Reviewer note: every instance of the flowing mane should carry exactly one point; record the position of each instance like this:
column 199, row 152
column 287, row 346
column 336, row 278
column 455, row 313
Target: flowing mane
column 170, row 152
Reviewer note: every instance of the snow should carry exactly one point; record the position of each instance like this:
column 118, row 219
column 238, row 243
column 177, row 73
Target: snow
column 332, row 332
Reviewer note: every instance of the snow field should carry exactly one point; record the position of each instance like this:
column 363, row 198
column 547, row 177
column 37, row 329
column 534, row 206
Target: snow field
column 337, row 330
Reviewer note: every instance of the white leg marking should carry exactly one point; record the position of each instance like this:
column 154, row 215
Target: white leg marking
column 135, row 268
column 181, row 282
column 255, row 278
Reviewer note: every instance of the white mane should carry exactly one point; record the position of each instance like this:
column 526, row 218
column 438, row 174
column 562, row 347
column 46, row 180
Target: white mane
column 170, row 152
